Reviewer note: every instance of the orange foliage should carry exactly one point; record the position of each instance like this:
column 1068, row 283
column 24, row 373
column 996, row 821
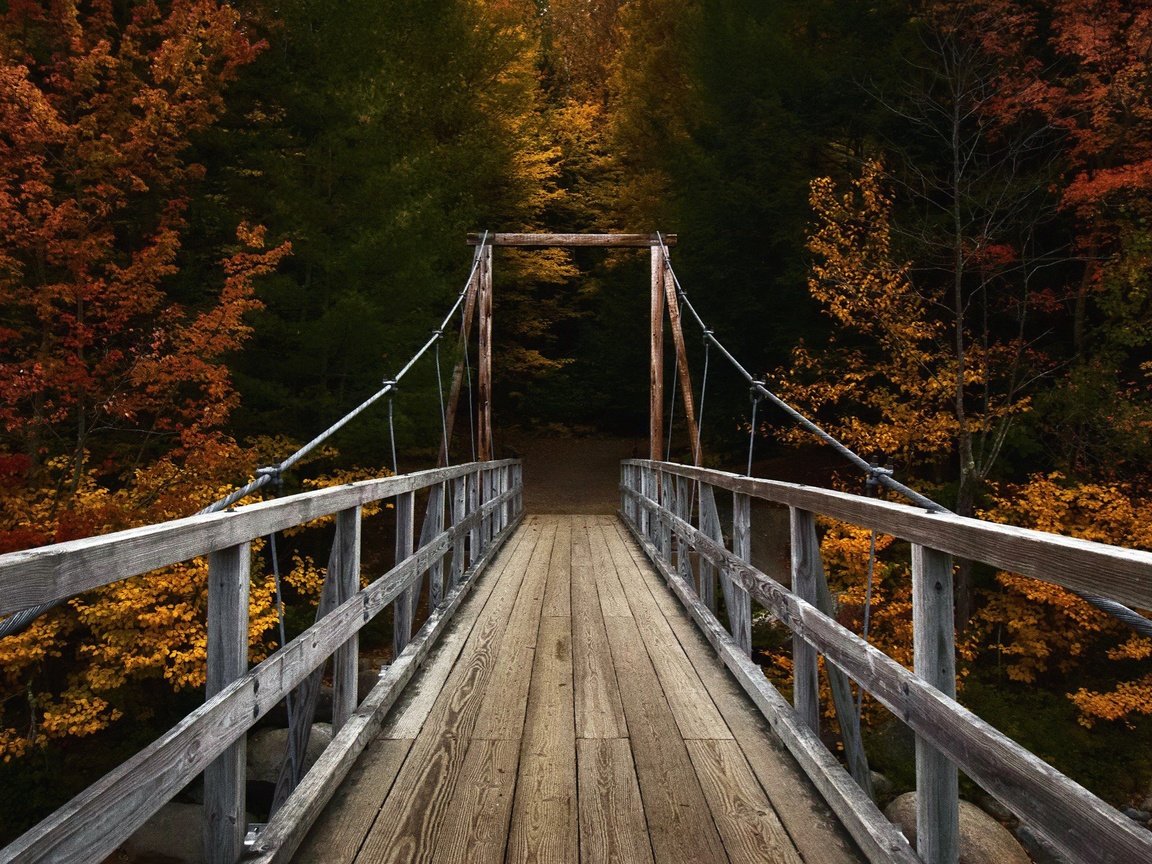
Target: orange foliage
column 1038, row 628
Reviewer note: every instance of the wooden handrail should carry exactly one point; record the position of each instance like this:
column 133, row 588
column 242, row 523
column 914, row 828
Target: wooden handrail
column 96, row 821
column 948, row 735
column 50, row 573
column 1124, row 575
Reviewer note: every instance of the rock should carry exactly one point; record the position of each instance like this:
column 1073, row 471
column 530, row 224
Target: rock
column 1141, row 816
column 365, row 681
column 1039, row 847
column 881, row 785
column 1146, row 804
column 266, row 748
column 278, row 716
column 996, row 810
column 983, row 840
column 173, row 834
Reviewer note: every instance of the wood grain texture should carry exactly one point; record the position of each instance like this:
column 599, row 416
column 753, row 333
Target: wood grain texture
column 355, row 804
column 544, row 818
column 1031, row 788
column 656, row 358
column 805, row 563
column 558, row 594
column 696, row 716
column 876, row 836
column 613, row 829
column 1124, row 575
column 613, row 600
column 484, row 362
column 229, row 576
column 815, row 831
column 287, row 828
column 603, row 240
column 475, row 827
column 599, row 713
column 419, row 801
column 97, row 820
column 345, row 662
column 404, row 605
column 505, row 700
column 56, row 572
column 679, row 824
column 934, row 651
column 750, row 828
column 682, row 367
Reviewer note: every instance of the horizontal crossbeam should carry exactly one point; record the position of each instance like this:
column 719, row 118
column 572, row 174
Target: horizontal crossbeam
column 604, row 240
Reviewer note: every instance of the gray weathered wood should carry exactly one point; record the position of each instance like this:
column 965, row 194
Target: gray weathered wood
column 805, row 563
column 433, row 525
column 229, row 576
column 459, row 505
column 609, row 240
column 49, row 573
column 876, row 836
column 285, row 832
column 1072, row 817
column 404, row 606
column 683, row 493
column 735, row 597
column 1081, row 565
column 742, row 549
column 934, row 641
column 656, row 359
column 95, row 822
column 345, row 661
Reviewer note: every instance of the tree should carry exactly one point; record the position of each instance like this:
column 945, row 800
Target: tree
column 114, row 396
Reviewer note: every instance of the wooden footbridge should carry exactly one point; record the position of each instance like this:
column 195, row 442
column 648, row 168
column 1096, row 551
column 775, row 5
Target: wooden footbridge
column 582, row 688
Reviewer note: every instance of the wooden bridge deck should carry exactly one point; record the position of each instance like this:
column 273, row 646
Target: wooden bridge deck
column 572, row 712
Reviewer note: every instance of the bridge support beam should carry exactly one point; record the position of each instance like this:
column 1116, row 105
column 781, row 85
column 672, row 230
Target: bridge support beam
column 484, row 421
column 656, row 365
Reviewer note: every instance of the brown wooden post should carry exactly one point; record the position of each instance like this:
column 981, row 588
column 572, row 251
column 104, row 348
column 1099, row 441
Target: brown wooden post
column 656, row 365
column 229, row 575
column 934, row 646
column 682, row 361
column 458, row 372
column 485, row 409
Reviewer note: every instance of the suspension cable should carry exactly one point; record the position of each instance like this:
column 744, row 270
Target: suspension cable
column 19, row 621
column 882, row 476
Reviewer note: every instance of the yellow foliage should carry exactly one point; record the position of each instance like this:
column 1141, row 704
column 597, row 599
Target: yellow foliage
column 1038, row 628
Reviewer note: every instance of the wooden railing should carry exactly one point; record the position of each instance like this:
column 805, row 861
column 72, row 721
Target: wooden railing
column 671, row 509
column 481, row 503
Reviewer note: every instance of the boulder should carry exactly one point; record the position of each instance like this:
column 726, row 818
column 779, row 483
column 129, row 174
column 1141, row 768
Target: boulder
column 996, row 810
column 172, row 836
column 881, row 785
column 983, row 840
column 266, row 748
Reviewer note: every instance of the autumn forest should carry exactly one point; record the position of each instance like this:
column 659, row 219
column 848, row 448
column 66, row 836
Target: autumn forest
column 926, row 224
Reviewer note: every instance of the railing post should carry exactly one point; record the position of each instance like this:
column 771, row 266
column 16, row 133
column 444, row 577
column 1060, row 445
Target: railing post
column 473, row 509
column 459, row 510
column 645, row 515
column 664, row 484
column 345, row 660
column 656, row 359
column 805, row 561
column 433, row 525
column 704, row 588
column 934, row 643
column 402, row 605
column 736, row 599
column 229, row 575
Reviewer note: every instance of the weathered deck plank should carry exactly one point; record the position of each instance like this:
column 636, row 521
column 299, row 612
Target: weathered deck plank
column 556, row 726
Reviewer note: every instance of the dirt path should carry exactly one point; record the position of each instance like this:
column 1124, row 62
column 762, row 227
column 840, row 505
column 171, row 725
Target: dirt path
column 573, row 475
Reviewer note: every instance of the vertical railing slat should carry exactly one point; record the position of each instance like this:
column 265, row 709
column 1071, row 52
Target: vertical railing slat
column 345, row 660
column 229, row 576
column 805, row 560
column 459, row 510
column 934, row 644
column 402, row 606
